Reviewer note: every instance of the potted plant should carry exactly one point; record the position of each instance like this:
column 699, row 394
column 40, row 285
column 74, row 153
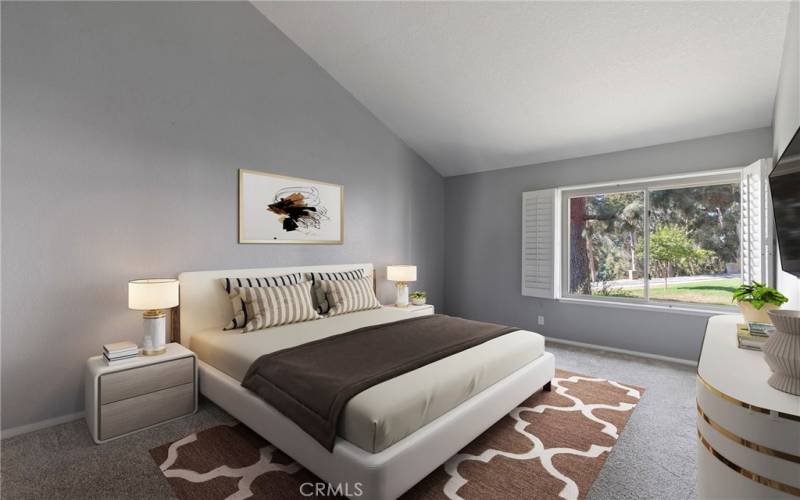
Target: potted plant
column 756, row 299
column 418, row 298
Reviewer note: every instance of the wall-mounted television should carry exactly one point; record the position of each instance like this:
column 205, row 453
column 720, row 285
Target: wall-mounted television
column 784, row 184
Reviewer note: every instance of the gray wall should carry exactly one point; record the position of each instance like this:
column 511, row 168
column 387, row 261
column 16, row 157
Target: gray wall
column 483, row 240
column 123, row 129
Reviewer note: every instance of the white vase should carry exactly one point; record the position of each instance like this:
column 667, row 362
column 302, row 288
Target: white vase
column 782, row 351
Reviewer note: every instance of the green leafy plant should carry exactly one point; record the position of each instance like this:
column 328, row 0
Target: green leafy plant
column 419, row 294
column 758, row 294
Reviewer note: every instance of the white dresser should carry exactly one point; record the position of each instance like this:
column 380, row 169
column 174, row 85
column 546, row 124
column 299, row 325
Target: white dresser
column 748, row 433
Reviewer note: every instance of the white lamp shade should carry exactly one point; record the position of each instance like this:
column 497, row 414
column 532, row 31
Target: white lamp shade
column 146, row 295
column 401, row 273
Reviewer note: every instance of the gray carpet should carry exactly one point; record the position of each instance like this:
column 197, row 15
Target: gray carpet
column 654, row 458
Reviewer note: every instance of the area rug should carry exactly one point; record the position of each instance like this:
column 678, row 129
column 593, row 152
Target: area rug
column 552, row 446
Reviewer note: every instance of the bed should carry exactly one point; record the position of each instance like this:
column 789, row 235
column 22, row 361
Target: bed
column 390, row 435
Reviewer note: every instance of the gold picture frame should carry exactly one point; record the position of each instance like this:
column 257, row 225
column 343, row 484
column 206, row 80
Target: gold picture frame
column 260, row 191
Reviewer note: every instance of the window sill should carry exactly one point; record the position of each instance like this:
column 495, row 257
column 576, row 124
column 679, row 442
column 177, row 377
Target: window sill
column 680, row 309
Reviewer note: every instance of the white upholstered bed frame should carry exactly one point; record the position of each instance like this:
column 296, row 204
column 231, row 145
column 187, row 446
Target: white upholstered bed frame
column 384, row 475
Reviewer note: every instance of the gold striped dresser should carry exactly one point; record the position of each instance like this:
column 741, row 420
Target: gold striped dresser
column 748, row 433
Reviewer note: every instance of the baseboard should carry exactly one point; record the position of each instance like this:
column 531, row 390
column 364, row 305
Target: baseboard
column 680, row 361
column 50, row 422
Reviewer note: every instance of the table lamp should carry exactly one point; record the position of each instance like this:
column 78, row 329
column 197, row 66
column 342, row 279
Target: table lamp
column 401, row 275
column 151, row 296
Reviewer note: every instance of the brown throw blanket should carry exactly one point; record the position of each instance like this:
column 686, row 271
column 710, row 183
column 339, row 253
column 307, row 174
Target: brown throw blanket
column 311, row 383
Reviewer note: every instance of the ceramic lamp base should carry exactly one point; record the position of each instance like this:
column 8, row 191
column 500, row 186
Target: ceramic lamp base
column 402, row 295
column 155, row 333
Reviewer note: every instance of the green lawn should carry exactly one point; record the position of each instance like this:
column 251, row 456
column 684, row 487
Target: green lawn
column 703, row 292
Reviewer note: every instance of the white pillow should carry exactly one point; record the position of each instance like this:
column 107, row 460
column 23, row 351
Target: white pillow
column 317, row 279
column 232, row 286
column 347, row 296
column 277, row 305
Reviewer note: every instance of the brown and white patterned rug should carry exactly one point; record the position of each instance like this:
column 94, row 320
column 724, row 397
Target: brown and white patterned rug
column 552, row 446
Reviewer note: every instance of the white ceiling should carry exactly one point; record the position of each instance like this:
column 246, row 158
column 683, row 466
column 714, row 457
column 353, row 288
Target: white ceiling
column 482, row 86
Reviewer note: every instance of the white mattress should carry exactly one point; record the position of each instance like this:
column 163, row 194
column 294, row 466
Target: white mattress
column 386, row 413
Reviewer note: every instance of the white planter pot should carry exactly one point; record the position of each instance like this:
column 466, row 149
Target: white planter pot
column 751, row 314
column 419, row 302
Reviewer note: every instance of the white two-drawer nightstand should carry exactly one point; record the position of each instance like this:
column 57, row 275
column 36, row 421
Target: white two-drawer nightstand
column 423, row 310
column 141, row 393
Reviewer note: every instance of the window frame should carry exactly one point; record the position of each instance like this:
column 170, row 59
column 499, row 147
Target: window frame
column 644, row 185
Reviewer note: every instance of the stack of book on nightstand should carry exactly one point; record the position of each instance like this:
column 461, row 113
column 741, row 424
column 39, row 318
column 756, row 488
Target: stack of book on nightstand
column 753, row 335
column 120, row 352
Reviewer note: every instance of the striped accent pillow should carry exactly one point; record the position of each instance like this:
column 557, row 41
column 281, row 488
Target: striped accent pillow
column 232, row 286
column 338, row 276
column 277, row 305
column 347, row 296
column 319, row 294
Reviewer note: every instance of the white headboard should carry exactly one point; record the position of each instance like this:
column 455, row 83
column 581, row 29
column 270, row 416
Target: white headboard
column 204, row 303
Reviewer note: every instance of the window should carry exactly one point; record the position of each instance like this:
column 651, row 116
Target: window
column 685, row 241
column 694, row 244
column 605, row 240
column 663, row 242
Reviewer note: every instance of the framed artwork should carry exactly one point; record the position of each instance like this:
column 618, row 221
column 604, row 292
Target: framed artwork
column 280, row 209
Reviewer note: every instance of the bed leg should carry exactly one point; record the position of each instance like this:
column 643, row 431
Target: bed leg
column 547, row 387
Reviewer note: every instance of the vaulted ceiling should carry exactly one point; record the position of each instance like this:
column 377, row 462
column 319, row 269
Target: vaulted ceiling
column 488, row 85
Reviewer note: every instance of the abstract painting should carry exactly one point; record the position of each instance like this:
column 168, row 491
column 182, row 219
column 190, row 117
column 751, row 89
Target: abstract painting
column 279, row 209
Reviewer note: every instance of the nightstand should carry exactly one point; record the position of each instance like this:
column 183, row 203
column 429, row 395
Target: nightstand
column 141, row 393
column 423, row 310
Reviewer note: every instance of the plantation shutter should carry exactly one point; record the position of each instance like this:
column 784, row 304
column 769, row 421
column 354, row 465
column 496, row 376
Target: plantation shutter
column 539, row 232
column 756, row 244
